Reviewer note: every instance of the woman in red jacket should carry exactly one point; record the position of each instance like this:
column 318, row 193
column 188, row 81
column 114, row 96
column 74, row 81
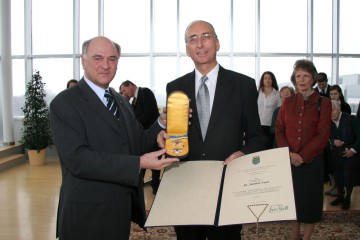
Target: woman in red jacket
column 303, row 125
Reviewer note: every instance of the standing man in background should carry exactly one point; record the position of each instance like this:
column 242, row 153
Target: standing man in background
column 101, row 148
column 146, row 112
column 323, row 88
column 225, row 113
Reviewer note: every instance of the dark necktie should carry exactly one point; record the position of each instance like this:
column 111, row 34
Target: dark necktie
column 111, row 105
column 203, row 106
column 133, row 102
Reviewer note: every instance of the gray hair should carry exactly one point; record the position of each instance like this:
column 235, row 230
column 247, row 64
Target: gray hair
column 199, row 21
column 337, row 104
column 87, row 42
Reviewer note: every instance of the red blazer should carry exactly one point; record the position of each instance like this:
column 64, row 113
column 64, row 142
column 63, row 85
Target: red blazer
column 304, row 125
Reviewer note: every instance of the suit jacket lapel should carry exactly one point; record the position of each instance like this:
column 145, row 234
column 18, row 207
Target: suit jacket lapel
column 222, row 94
column 125, row 113
column 189, row 85
column 138, row 99
column 97, row 106
column 339, row 128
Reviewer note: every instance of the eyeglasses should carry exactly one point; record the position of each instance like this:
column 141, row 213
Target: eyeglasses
column 205, row 37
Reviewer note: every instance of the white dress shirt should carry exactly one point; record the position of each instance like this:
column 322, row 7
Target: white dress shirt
column 100, row 92
column 210, row 83
column 267, row 105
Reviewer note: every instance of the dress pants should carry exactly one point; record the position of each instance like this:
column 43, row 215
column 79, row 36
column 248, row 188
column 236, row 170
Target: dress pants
column 270, row 137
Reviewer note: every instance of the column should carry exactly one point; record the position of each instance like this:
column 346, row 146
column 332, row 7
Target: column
column 6, row 72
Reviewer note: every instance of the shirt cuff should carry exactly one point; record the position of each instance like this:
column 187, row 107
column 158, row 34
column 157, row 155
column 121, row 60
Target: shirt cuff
column 161, row 125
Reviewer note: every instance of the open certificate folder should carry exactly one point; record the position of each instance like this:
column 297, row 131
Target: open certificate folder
column 253, row 188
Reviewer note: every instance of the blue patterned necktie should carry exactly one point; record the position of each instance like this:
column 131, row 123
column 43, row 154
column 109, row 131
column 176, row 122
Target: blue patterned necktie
column 203, row 106
column 111, row 105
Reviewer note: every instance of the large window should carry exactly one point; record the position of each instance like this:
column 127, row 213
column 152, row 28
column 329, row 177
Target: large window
column 322, row 33
column 89, row 19
column 52, row 24
column 349, row 18
column 283, row 29
column 255, row 36
column 128, row 23
column 165, row 26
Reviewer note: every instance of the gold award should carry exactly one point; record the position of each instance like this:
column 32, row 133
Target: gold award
column 177, row 123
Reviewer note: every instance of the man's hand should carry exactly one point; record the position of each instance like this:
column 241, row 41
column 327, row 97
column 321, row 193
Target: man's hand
column 233, row 156
column 161, row 138
column 151, row 161
column 162, row 117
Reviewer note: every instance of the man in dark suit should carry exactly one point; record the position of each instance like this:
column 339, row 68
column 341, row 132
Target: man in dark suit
column 323, row 88
column 101, row 152
column 234, row 126
column 146, row 112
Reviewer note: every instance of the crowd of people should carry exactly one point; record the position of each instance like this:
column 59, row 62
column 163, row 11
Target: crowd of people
column 106, row 139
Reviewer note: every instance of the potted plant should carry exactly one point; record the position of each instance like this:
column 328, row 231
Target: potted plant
column 35, row 134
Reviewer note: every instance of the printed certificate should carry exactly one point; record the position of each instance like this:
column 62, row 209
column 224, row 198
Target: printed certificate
column 253, row 188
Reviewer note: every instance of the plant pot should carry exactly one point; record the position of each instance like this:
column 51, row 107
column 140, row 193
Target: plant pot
column 37, row 158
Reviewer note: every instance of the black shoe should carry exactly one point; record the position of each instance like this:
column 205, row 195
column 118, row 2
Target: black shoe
column 155, row 186
column 332, row 192
column 337, row 201
column 346, row 204
column 154, row 191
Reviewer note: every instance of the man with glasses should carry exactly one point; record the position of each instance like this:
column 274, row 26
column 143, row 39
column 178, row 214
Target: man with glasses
column 225, row 122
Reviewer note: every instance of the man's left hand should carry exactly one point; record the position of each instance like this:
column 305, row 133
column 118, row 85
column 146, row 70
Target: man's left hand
column 233, row 156
column 161, row 138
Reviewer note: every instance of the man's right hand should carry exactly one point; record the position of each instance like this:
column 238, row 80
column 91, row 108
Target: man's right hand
column 151, row 160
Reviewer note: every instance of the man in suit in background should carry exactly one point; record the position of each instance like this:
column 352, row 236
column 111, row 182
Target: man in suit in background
column 323, row 88
column 146, row 112
column 234, row 126
column 322, row 85
column 101, row 152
